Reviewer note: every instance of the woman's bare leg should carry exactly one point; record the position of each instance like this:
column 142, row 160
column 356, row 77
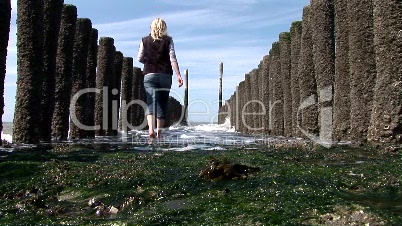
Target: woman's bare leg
column 159, row 126
column 150, row 119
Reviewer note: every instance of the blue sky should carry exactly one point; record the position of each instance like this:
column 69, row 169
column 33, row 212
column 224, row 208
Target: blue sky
column 236, row 32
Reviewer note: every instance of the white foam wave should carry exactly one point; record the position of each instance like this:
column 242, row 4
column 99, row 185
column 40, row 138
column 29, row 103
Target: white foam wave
column 225, row 127
column 184, row 136
column 188, row 148
column 6, row 137
column 216, row 149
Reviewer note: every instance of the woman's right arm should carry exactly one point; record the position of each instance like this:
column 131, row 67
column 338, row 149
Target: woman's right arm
column 174, row 63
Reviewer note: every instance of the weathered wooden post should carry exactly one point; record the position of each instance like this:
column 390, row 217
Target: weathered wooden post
column 232, row 105
column 322, row 20
column 5, row 17
column 253, row 99
column 136, row 95
column 51, row 22
column 260, row 93
column 138, row 117
column 171, row 112
column 307, row 84
column 126, row 91
column 27, row 118
column 78, row 101
column 185, row 117
column 105, row 60
column 285, row 61
column 362, row 67
column 341, row 117
column 90, row 82
column 220, row 83
column 175, row 112
column 220, row 116
column 143, row 98
column 386, row 123
column 266, row 94
column 276, row 99
column 64, row 67
column 295, row 36
column 240, row 115
column 247, row 109
column 114, row 94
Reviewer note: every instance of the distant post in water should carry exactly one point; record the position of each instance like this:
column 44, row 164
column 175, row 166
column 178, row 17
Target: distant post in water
column 184, row 121
column 220, row 120
column 30, row 70
column 220, row 83
column 5, row 17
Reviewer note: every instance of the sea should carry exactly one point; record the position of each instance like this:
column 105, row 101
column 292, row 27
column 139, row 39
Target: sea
column 7, row 132
column 195, row 136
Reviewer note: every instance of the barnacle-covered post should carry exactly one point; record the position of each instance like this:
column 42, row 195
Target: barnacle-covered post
column 51, row 22
column 247, row 109
column 138, row 118
column 220, row 84
column 78, row 101
column 266, row 93
column 27, row 117
column 105, row 60
column 261, row 106
column 295, row 36
column 362, row 67
column 254, row 97
column 184, row 120
column 307, row 109
column 386, row 116
column 341, row 115
column 322, row 20
column 5, row 17
column 276, row 96
column 114, row 96
column 285, row 77
column 89, row 108
column 240, row 107
column 126, row 91
column 64, row 67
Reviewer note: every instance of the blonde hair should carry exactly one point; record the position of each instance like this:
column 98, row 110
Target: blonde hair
column 158, row 29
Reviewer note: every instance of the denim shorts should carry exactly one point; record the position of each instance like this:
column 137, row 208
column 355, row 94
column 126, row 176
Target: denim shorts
column 157, row 87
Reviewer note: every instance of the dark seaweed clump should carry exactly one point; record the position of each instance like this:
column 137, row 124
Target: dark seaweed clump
column 226, row 170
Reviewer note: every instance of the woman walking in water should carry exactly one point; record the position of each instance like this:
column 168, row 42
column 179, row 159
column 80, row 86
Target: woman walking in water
column 157, row 54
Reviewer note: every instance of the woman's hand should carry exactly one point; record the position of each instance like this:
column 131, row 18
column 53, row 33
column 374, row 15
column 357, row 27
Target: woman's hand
column 179, row 80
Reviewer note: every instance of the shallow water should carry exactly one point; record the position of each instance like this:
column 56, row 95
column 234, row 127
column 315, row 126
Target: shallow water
column 177, row 138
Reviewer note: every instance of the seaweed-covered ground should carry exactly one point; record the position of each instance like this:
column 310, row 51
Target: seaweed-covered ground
column 113, row 185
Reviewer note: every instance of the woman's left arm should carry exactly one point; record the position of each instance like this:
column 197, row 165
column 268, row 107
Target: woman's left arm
column 140, row 55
